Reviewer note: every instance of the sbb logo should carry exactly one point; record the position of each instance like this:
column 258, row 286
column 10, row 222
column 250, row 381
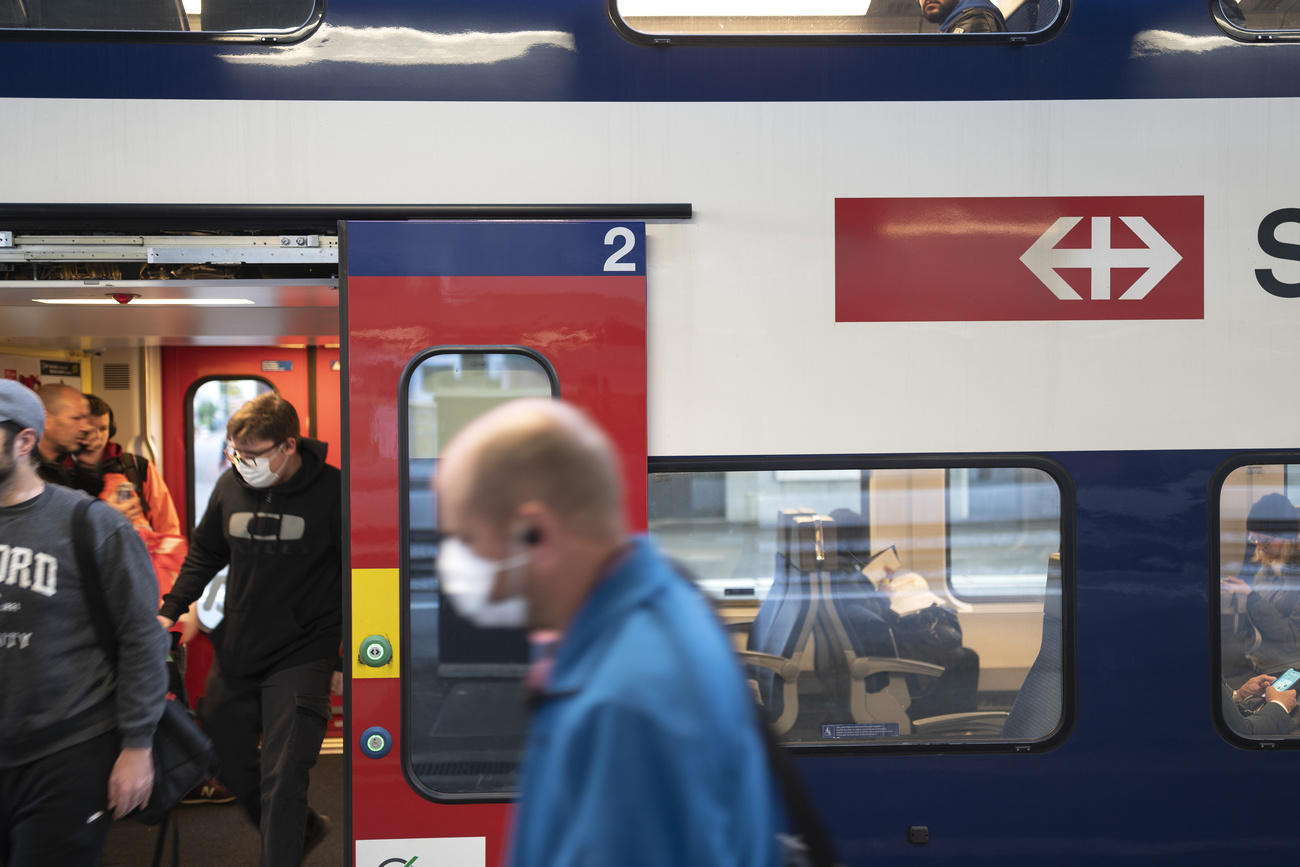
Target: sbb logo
column 987, row 259
column 1156, row 259
column 1269, row 243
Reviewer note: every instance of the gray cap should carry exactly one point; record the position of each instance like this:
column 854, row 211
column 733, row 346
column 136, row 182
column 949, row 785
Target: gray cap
column 19, row 404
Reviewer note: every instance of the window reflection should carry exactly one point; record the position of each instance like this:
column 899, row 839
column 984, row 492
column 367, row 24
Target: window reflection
column 1262, row 15
column 1259, row 598
column 837, row 585
column 467, row 717
column 831, row 17
column 223, row 16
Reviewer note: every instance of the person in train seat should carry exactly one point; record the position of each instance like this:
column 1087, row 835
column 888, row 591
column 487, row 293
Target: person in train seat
column 1256, row 708
column 67, row 426
column 75, row 728
column 274, row 518
column 644, row 747
column 963, row 16
column 925, row 627
column 1273, row 600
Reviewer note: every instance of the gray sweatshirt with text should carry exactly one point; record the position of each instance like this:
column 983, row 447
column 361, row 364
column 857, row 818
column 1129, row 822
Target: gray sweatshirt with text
column 59, row 688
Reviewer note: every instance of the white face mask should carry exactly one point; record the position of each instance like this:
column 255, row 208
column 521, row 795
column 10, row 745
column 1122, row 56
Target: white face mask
column 260, row 474
column 467, row 581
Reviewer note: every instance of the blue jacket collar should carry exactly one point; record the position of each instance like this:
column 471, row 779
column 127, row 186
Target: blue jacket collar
column 634, row 578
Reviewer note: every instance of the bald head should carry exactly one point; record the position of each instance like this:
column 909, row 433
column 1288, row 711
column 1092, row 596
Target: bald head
column 536, row 451
column 67, row 420
column 56, row 396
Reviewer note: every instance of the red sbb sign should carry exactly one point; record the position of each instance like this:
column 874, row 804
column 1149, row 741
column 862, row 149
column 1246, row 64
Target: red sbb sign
column 1019, row 259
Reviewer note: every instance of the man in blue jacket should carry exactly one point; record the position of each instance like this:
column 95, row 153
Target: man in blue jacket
column 645, row 747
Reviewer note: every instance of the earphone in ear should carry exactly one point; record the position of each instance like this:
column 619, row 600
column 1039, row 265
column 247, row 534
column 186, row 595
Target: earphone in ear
column 531, row 536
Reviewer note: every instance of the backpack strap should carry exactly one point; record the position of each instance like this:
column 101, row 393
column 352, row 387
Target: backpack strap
column 89, row 573
column 136, row 469
column 808, row 843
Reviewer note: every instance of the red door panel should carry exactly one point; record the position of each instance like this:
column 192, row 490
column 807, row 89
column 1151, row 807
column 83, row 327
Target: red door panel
column 574, row 293
column 183, row 368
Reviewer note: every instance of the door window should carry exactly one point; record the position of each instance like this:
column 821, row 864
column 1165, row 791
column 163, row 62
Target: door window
column 466, row 717
column 211, row 405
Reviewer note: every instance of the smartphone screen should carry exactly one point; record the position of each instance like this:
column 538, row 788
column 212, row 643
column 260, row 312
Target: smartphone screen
column 1287, row 680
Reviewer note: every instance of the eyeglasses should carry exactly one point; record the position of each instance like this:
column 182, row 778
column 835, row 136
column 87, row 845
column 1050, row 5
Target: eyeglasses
column 1262, row 538
column 246, row 459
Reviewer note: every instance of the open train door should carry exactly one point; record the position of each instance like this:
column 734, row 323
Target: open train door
column 442, row 321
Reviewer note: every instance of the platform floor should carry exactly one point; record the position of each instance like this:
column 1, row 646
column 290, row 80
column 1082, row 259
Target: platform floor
column 221, row 834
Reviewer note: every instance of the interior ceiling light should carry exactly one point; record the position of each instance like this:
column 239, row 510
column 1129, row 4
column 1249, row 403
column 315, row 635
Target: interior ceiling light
column 148, row 302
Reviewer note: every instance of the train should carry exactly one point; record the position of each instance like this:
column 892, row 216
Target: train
column 951, row 359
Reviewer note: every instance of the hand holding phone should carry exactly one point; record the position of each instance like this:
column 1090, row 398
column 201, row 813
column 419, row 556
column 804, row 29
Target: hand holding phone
column 1286, row 681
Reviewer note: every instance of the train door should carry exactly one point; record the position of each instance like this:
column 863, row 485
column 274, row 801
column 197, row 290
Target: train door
column 202, row 386
column 441, row 321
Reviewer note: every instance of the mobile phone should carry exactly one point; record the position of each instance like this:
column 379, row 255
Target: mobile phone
column 125, row 490
column 1287, row 680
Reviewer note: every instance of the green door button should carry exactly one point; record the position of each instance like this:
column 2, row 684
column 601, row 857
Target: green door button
column 375, row 651
column 376, row 742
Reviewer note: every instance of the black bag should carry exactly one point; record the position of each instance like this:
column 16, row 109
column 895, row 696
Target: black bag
column 929, row 635
column 183, row 756
column 807, row 843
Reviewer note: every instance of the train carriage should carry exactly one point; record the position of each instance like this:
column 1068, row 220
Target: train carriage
column 952, row 355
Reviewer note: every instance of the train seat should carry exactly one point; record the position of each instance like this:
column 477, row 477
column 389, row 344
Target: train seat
column 780, row 634
column 858, row 629
column 226, row 15
column 13, row 13
column 98, row 15
column 1037, row 709
column 1028, row 16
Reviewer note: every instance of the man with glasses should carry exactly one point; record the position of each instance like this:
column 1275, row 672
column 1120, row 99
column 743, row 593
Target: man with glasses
column 275, row 520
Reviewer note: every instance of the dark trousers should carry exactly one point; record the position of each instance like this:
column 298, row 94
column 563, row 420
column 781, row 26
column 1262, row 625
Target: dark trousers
column 46, row 806
column 289, row 709
column 955, row 691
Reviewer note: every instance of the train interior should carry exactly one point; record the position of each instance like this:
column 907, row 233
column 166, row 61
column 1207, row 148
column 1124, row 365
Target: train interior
column 174, row 347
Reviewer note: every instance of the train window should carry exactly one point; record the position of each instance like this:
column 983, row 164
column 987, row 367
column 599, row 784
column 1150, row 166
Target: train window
column 253, row 18
column 836, row 586
column 766, row 18
column 211, row 404
column 1003, row 522
column 465, row 718
column 1261, row 16
column 1258, row 561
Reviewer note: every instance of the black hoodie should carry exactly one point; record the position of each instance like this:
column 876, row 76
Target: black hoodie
column 283, row 545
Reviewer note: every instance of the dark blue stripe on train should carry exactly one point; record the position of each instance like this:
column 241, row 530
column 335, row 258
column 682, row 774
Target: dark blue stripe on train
column 1145, row 777
column 490, row 248
column 568, row 50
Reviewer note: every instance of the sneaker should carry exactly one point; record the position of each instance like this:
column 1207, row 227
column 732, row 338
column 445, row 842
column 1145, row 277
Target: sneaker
column 318, row 828
column 210, row 792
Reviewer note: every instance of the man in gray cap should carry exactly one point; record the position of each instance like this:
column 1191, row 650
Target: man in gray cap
column 75, row 742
